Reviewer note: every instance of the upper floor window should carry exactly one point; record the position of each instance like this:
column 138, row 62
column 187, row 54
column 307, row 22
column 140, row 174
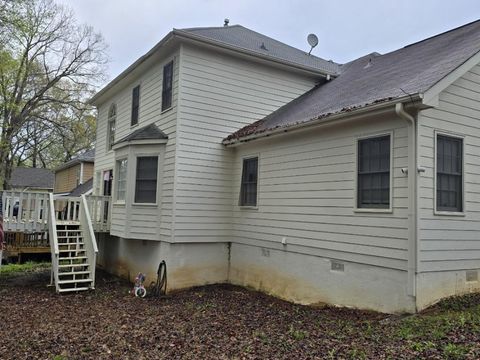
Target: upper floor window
column 135, row 105
column 248, row 191
column 373, row 182
column 112, row 119
column 146, row 179
column 167, row 86
column 449, row 170
column 121, row 179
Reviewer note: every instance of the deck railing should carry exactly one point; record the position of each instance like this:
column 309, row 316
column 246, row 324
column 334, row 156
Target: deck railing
column 25, row 211
column 30, row 211
column 100, row 212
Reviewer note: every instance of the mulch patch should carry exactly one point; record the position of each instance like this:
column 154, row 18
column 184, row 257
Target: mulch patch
column 210, row 322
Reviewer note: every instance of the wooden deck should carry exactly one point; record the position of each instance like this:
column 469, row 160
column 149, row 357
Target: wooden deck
column 19, row 243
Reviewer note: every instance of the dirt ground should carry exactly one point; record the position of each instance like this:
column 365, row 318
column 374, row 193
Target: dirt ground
column 218, row 322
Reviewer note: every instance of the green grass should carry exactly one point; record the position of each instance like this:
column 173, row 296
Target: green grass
column 30, row 266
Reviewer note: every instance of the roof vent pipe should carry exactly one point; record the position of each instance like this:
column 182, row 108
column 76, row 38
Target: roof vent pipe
column 225, row 22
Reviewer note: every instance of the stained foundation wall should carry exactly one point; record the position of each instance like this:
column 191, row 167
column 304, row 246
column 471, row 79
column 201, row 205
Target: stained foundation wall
column 311, row 279
column 434, row 286
column 187, row 264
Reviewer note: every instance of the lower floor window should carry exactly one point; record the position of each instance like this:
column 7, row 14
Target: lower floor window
column 449, row 173
column 248, row 191
column 146, row 179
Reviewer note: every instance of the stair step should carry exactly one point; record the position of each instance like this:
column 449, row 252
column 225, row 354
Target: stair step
column 72, row 265
column 70, row 273
column 73, row 289
column 74, row 281
column 71, row 250
column 73, row 258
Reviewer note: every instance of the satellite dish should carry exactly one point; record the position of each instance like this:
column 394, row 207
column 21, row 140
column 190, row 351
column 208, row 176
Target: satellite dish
column 312, row 41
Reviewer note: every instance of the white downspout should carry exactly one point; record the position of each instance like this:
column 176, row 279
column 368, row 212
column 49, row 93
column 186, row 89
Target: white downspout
column 81, row 174
column 412, row 197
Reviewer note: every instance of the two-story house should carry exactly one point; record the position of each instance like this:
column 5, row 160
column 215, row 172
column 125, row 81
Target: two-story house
column 237, row 158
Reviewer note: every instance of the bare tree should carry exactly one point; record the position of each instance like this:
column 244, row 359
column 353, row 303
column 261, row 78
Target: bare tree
column 47, row 61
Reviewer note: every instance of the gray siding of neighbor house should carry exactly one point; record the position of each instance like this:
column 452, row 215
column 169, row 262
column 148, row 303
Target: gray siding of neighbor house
column 219, row 94
column 451, row 242
column 152, row 226
column 306, row 194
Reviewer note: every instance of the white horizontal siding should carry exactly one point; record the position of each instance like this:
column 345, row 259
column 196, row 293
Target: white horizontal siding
column 219, row 95
column 150, row 112
column 306, row 193
column 451, row 242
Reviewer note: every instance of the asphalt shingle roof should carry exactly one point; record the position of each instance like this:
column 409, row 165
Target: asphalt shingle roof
column 87, row 156
column 35, row 178
column 246, row 39
column 375, row 78
column 149, row 132
column 82, row 188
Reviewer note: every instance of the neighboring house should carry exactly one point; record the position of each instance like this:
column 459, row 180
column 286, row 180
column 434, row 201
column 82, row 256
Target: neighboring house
column 237, row 158
column 74, row 173
column 32, row 179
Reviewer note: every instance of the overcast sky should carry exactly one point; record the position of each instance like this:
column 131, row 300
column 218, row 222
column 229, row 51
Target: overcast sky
column 346, row 29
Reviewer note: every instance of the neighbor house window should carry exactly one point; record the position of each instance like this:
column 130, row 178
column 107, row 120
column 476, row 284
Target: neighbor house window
column 248, row 191
column 449, row 173
column 373, row 183
column 146, row 179
column 167, row 86
column 135, row 105
column 112, row 118
column 121, row 179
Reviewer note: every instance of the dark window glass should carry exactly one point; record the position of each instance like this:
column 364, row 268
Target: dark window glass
column 248, row 191
column 135, row 105
column 146, row 179
column 449, row 173
column 167, row 86
column 112, row 117
column 374, row 173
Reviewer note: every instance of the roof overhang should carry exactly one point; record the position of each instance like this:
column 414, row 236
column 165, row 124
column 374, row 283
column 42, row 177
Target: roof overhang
column 431, row 95
column 72, row 163
column 139, row 142
column 411, row 101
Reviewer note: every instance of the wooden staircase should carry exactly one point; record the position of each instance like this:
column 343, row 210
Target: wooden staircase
column 73, row 244
column 74, row 271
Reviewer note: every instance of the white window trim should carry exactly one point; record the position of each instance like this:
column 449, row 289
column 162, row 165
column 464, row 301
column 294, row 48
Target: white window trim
column 109, row 150
column 139, row 103
column 137, row 155
column 246, row 157
column 116, row 172
column 388, row 210
column 457, row 136
column 172, row 60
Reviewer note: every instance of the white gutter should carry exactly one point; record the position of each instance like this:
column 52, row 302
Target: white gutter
column 367, row 110
column 412, row 197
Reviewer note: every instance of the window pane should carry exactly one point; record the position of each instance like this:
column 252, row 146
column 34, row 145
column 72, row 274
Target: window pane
column 167, row 86
column 146, row 179
column 248, row 190
column 121, row 179
column 135, row 104
column 449, row 173
column 373, row 179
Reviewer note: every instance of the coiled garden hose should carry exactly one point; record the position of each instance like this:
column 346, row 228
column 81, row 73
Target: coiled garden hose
column 159, row 287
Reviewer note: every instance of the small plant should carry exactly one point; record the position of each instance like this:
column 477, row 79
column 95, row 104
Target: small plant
column 297, row 334
column 452, row 351
column 421, row 346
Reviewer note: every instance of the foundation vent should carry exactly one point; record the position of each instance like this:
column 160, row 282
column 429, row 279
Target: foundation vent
column 336, row 266
column 472, row 275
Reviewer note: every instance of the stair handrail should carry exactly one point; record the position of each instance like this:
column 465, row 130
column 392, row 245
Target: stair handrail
column 89, row 236
column 52, row 232
column 52, row 226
